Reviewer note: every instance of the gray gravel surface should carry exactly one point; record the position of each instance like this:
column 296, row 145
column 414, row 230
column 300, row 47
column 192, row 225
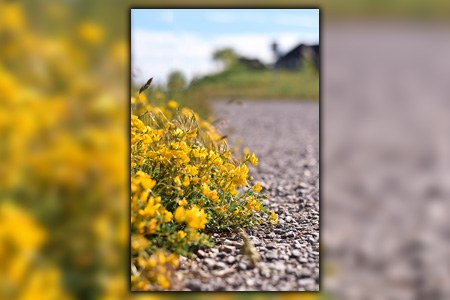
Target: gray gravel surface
column 285, row 137
column 386, row 161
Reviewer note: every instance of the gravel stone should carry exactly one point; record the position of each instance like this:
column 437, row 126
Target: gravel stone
column 243, row 266
column 285, row 137
column 272, row 255
column 228, row 249
column 211, row 263
column 201, row 254
column 194, row 285
column 296, row 253
column 230, row 259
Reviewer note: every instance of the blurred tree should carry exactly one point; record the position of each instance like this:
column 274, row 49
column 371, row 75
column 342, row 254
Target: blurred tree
column 226, row 56
column 176, row 81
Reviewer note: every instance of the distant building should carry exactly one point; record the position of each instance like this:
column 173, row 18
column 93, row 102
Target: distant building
column 293, row 60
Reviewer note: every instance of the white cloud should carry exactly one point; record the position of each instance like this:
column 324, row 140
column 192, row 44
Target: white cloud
column 223, row 16
column 157, row 53
column 296, row 20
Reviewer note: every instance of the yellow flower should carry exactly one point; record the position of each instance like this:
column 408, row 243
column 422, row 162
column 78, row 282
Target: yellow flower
column 181, row 234
column 212, row 195
column 12, row 16
column 186, row 181
column 173, row 259
column 223, row 208
column 257, row 188
column 138, row 242
column 191, row 170
column 205, row 189
column 273, row 218
column 180, row 214
column 162, row 281
column 233, row 190
column 178, row 132
column 152, row 206
column 240, row 175
column 167, row 216
column 193, row 133
column 196, row 218
column 90, row 33
column 172, row 104
column 152, row 227
column 182, row 202
column 253, row 159
column 254, row 204
column 177, row 181
column 144, row 179
column 227, row 154
column 142, row 262
column 143, row 196
column 193, row 235
column 142, row 98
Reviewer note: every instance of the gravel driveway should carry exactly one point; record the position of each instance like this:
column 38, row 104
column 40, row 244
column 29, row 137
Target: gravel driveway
column 285, row 137
column 386, row 187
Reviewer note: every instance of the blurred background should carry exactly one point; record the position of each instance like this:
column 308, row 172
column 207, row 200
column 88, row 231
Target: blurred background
column 385, row 149
column 199, row 55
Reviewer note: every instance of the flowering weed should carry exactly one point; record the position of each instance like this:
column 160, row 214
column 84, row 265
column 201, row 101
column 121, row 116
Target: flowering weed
column 185, row 184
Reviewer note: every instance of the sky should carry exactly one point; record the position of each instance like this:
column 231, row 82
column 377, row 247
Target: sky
column 164, row 40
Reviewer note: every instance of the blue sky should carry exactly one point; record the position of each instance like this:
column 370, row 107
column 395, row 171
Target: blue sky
column 163, row 40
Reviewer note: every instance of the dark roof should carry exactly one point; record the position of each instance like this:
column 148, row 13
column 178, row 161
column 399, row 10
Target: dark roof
column 294, row 52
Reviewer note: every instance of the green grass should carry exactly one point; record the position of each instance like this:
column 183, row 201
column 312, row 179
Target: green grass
column 251, row 85
column 240, row 83
column 248, row 84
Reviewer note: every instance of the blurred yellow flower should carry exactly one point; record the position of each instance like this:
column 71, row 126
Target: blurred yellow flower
column 90, row 33
column 11, row 15
column 138, row 242
column 273, row 218
column 212, row 195
column 172, row 104
column 254, row 204
column 191, row 170
column 119, row 53
column 161, row 279
column 186, row 181
column 167, row 216
column 233, row 191
column 182, row 202
column 45, row 283
column 180, row 214
column 181, row 234
column 253, row 159
column 196, row 218
column 257, row 188
column 152, row 227
column 177, row 181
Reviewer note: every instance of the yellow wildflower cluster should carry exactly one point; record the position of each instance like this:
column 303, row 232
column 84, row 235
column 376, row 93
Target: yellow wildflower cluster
column 62, row 139
column 157, row 268
column 61, row 125
column 185, row 184
column 194, row 218
column 20, row 274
